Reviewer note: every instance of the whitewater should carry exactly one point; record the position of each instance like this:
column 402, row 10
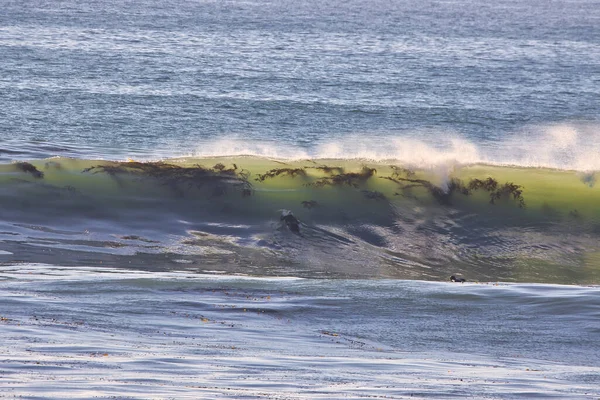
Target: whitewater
column 268, row 199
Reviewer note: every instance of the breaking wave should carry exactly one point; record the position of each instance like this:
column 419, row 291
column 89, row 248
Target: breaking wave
column 313, row 217
column 562, row 146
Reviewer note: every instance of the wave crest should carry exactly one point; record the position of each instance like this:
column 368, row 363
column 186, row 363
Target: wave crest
column 561, row 146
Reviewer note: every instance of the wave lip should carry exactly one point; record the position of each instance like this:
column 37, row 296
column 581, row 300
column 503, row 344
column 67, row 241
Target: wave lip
column 571, row 147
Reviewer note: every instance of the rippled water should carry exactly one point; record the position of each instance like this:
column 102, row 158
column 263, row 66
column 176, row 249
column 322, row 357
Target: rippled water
column 121, row 284
column 88, row 332
column 112, row 80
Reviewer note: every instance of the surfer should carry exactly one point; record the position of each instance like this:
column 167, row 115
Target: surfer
column 291, row 221
column 455, row 279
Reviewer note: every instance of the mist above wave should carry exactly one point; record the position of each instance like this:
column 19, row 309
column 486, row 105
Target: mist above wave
column 562, row 146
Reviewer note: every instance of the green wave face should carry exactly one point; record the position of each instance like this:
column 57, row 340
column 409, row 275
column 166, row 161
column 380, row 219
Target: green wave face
column 354, row 218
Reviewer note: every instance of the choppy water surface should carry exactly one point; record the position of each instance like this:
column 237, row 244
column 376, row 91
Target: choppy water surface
column 86, row 332
column 111, row 80
column 152, row 155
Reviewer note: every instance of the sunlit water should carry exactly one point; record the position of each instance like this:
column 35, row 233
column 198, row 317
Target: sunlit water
column 112, row 80
column 112, row 290
column 86, row 332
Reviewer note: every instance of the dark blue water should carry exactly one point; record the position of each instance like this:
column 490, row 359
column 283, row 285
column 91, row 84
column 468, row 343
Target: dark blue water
column 154, row 78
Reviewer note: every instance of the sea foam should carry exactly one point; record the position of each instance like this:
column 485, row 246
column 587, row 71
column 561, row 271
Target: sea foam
column 560, row 146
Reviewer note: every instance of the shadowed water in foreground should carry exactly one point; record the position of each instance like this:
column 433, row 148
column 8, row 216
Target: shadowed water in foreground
column 89, row 332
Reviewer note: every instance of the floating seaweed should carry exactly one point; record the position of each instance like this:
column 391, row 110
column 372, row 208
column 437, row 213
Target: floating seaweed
column 226, row 171
column 498, row 191
column 399, row 171
column 489, row 184
column 175, row 176
column 292, row 172
column 444, row 195
column 507, row 190
column 454, row 185
column 107, row 169
column 441, row 195
column 353, row 179
column 30, row 169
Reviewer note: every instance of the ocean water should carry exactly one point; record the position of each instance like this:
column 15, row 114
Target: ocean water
column 267, row 199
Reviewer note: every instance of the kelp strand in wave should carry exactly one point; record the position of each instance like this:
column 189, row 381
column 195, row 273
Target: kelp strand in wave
column 490, row 185
column 175, row 176
column 30, row 169
column 438, row 193
column 498, row 192
column 348, row 179
column 398, row 171
column 221, row 179
column 329, row 170
column 292, row 172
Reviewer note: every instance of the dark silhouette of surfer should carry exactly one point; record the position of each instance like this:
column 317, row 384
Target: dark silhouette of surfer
column 290, row 221
column 455, row 279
